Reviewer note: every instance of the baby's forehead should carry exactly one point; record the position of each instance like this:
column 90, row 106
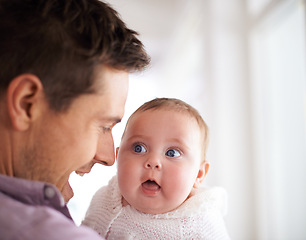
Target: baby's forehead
column 159, row 114
column 159, row 121
column 164, row 111
column 157, row 118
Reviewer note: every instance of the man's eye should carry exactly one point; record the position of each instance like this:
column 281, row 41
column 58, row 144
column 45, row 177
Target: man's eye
column 173, row 153
column 106, row 129
column 139, row 148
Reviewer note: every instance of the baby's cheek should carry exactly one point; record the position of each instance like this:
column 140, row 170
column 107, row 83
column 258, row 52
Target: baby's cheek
column 181, row 183
column 127, row 177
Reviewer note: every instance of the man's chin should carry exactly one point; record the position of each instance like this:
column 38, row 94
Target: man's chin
column 67, row 192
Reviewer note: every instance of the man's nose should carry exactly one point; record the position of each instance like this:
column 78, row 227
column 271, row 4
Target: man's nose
column 105, row 153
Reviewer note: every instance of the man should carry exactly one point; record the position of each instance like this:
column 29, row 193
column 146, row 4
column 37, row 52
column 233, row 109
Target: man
column 63, row 84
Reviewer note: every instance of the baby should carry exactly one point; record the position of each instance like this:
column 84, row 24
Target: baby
column 157, row 192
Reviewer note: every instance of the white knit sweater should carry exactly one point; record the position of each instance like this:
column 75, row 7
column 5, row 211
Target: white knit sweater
column 199, row 217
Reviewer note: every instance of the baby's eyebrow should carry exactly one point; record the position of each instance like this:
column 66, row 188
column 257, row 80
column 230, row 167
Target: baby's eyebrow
column 179, row 141
column 138, row 136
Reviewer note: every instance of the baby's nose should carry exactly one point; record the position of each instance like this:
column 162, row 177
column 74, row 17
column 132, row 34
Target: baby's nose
column 153, row 165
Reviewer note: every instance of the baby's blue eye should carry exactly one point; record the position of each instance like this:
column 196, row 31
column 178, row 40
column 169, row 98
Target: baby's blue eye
column 173, row 153
column 139, row 148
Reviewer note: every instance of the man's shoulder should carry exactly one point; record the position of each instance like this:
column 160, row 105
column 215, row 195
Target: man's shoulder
column 19, row 220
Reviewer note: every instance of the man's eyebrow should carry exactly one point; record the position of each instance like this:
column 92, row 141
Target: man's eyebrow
column 113, row 119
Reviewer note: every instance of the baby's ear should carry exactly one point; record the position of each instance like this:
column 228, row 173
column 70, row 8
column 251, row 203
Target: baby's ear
column 203, row 170
column 117, row 150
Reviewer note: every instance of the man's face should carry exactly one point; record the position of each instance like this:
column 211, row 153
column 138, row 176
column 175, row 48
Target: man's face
column 63, row 142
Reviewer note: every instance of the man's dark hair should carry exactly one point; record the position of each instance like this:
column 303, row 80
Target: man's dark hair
column 62, row 42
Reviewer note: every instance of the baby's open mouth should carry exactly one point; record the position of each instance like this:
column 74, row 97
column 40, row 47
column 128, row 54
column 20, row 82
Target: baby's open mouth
column 150, row 185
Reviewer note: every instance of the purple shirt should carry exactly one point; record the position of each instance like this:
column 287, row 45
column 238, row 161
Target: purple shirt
column 36, row 210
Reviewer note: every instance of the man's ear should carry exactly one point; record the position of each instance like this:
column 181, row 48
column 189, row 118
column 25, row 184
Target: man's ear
column 23, row 92
column 203, row 170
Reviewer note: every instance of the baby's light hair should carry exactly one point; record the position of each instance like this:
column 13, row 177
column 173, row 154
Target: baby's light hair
column 178, row 105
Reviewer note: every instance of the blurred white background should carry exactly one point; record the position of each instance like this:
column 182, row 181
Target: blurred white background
column 241, row 63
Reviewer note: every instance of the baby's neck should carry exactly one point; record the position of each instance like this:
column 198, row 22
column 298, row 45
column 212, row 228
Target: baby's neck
column 124, row 202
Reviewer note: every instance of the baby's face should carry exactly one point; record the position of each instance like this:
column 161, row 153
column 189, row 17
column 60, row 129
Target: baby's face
column 159, row 160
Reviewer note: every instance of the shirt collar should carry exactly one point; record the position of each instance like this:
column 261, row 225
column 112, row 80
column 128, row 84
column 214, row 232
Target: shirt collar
column 33, row 193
